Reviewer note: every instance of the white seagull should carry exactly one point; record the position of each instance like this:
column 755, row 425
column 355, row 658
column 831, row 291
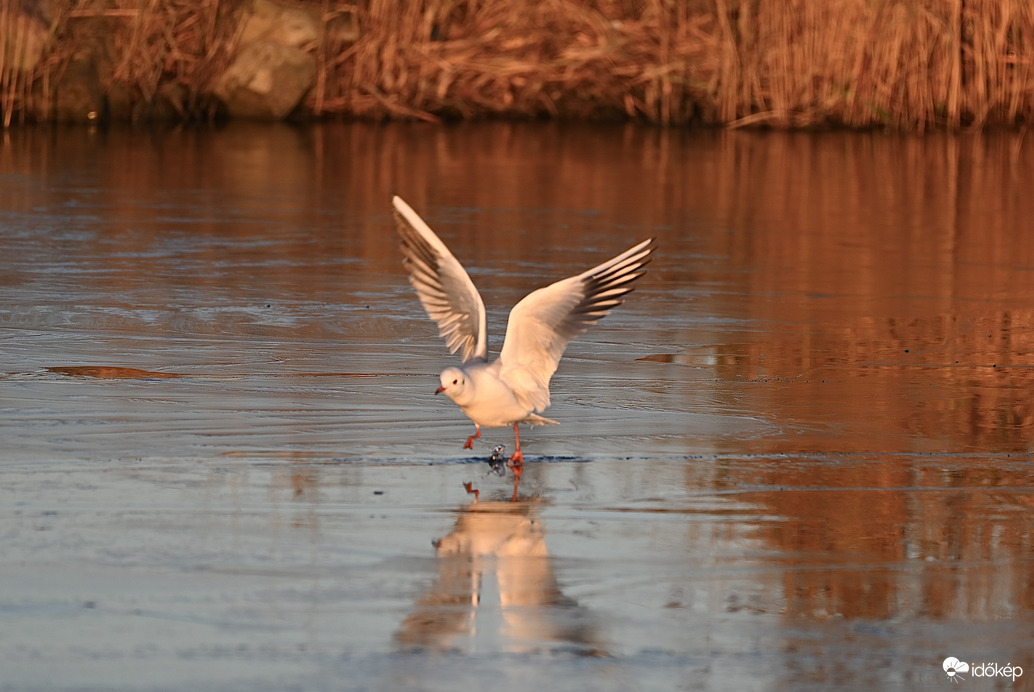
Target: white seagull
column 514, row 387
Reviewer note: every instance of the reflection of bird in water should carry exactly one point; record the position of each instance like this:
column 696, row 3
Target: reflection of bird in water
column 515, row 387
column 496, row 580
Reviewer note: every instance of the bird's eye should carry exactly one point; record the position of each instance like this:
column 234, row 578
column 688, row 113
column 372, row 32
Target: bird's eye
column 455, row 381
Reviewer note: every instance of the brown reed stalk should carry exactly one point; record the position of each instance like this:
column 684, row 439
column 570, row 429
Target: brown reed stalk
column 7, row 73
column 20, row 48
column 997, row 64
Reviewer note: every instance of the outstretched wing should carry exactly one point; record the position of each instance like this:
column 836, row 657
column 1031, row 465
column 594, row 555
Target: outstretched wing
column 441, row 282
column 542, row 325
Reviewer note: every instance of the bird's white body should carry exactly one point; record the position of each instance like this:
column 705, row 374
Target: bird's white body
column 485, row 397
column 514, row 387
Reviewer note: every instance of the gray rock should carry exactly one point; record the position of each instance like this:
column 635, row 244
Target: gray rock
column 287, row 26
column 273, row 68
column 266, row 81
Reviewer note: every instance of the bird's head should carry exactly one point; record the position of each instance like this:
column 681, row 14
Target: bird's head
column 453, row 383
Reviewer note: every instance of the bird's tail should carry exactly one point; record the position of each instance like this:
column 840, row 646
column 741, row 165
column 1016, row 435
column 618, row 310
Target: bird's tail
column 535, row 419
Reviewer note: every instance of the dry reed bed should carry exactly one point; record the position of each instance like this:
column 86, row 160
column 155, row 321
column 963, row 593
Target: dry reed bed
column 551, row 58
column 903, row 64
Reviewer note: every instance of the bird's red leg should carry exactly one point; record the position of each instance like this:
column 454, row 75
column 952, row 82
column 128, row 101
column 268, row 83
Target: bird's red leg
column 469, row 444
column 471, row 490
column 516, row 462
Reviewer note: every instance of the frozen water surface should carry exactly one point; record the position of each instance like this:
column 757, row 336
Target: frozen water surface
column 797, row 458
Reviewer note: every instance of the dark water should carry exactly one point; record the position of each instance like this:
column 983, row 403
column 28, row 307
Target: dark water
column 799, row 457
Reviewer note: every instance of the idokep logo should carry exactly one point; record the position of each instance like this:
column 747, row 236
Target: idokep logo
column 954, row 669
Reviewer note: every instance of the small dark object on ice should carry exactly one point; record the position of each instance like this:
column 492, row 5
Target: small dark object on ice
column 498, row 461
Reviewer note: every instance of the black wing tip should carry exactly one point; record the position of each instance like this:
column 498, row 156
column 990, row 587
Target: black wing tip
column 609, row 289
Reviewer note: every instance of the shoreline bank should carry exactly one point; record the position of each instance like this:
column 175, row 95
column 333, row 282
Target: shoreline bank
column 904, row 66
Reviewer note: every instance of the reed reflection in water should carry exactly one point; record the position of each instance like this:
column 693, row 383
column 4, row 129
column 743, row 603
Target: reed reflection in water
column 806, row 439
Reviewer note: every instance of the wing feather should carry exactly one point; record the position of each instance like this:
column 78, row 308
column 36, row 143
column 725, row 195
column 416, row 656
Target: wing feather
column 545, row 321
column 442, row 284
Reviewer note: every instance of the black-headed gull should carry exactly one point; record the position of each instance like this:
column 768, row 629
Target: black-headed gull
column 514, row 387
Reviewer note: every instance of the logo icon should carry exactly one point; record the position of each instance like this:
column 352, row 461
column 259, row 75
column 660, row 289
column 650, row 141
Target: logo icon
column 953, row 667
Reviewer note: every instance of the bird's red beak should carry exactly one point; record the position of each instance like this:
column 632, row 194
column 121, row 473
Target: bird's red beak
column 439, row 390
